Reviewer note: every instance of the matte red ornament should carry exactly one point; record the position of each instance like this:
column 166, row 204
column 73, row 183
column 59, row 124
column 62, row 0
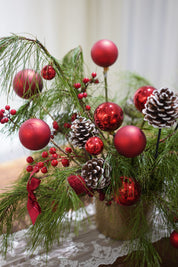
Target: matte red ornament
column 27, row 83
column 130, row 141
column 94, row 145
column 174, row 239
column 141, row 95
column 108, row 116
column 34, row 134
column 104, row 53
column 128, row 193
column 78, row 184
column 48, row 72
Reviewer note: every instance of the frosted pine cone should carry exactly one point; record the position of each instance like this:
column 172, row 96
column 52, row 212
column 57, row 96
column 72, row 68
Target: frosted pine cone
column 81, row 130
column 161, row 108
column 96, row 173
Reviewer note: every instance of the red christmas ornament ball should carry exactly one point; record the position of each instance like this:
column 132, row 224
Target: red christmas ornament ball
column 27, row 83
column 104, row 53
column 108, row 116
column 94, row 145
column 78, row 184
column 130, row 141
column 34, row 134
column 128, row 193
column 141, row 95
column 48, row 72
column 174, row 239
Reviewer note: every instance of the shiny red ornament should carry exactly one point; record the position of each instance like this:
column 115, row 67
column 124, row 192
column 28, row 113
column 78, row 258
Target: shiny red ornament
column 27, row 83
column 108, row 116
column 130, row 141
column 128, row 193
column 141, row 95
column 34, row 134
column 94, row 145
column 174, row 239
column 78, row 184
column 48, row 72
column 104, row 53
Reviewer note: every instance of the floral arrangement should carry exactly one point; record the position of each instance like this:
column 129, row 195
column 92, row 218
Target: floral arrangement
column 121, row 152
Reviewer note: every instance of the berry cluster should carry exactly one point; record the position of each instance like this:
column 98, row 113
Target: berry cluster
column 49, row 158
column 6, row 113
column 82, row 87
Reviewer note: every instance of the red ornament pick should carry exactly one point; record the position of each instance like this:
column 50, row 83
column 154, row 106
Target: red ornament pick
column 104, row 53
column 174, row 239
column 48, row 72
column 34, row 134
column 130, row 141
column 129, row 192
column 108, row 116
column 141, row 95
column 27, row 83
column 94, row 145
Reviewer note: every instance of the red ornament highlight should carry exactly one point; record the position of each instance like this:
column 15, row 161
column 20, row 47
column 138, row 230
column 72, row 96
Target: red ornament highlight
column 94, row 145
column 48, row 72
column 108, row 116
column 104, row 53
column 78, row 184
column 27, row 83
column 174, row 239
column 141, row 95
column 128, row 193
column 34, row 134
column 130, row 141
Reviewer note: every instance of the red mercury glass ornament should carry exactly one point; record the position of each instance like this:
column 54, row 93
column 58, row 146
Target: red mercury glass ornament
column 27, row 83
column 174, row 239
column 104, row 53
column 108, row 116
column 34, row 134
column 130, row 141
column 141, row 95
column 128, row 193
column 48, row 72
column 94, row 145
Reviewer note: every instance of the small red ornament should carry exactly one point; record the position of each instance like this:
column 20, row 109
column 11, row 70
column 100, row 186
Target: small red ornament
column 27, row 83
column 48, row 72
column 34, row 134
column 94, row 145
column 78, row 184
column 174, row 239
column 65, row 162
column 108, row 116
column 130, row 141
column 104, row 53
column 141, row 95
column 128, row 193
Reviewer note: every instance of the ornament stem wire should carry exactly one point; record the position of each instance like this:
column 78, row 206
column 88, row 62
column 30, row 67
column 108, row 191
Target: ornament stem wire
column 106, row 83
column 157, row 144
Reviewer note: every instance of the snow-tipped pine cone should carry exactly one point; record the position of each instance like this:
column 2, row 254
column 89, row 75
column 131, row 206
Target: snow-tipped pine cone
column 161, row 108
column 96, row 173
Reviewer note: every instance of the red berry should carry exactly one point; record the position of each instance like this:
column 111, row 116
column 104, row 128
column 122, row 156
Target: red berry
column 29, row 159
column 77, row 85
column 87, row 107
column 52, row 150
column 44, row 154
column 68, row 149
column 65, row 162
column 54, row 156
column 54, row 162
column 93, row 74
column 2, row 121
column 36, row 169
column 7, row 107
column 40, row 164
column 55, row 125
column 80, row 96
column 2, row 110
column 13, row 112
column 86, row 80
column 6, row 119
column 84, row 94
column 29, row 168
column 67, row 125
column 44, row 170
column 96, row 81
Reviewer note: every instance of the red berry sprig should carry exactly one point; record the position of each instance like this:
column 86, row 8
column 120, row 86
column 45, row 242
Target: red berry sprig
column 5, row 114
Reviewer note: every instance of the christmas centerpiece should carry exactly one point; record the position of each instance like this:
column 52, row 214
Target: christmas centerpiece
column 120, row 153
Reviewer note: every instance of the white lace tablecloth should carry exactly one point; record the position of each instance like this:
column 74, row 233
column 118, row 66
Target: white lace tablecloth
column 88, row 249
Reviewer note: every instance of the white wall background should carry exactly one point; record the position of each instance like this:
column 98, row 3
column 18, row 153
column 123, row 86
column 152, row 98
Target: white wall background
column 145, row 32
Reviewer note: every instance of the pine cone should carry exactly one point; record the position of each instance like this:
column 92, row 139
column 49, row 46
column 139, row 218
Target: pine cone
column 161, row 108
column 96, row 173
column 81, row 130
